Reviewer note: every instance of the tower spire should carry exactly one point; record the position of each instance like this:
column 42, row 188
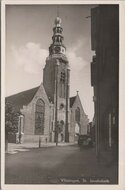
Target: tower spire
column 57, row 49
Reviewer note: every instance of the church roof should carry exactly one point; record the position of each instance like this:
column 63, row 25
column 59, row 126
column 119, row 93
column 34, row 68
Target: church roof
column 72, row 100
column 22, row 98
column 25, row 97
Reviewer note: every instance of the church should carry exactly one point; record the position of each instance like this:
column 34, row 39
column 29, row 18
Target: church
column 47, row 111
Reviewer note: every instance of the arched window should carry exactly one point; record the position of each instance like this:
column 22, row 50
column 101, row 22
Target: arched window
column 61, row 126
column 62, row 84
column 77, row 114
column 39, row 117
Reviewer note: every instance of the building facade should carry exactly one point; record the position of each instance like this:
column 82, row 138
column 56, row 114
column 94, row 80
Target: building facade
column 105, row 76
column 47, row 110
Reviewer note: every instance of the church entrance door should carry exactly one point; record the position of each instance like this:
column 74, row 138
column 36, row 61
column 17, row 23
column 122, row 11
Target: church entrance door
column 77, row 131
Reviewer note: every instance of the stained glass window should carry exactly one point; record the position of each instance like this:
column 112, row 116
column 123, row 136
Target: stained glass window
column 39, row 117
column 77, row 115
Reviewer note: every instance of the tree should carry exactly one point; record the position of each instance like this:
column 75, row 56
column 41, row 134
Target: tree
column 11, row 121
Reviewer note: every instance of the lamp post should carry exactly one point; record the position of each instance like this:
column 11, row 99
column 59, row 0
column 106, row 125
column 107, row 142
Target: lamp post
column 67, row 106
column 20, row 128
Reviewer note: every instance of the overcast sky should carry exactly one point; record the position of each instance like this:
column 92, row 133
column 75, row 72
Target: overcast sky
column 28, row 37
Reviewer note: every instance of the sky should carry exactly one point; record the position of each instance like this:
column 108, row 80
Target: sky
column 29, row 30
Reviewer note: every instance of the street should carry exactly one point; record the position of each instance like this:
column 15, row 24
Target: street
column 49, row 165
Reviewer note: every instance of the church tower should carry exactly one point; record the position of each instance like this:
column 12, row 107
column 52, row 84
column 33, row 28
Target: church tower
column 56, row 83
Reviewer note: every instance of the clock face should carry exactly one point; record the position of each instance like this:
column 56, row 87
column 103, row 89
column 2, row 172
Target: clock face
column 63, row 50
column 57, row 49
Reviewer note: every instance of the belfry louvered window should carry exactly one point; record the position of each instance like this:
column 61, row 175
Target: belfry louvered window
column 62, row 77
column 62, row 84
column 39, row 117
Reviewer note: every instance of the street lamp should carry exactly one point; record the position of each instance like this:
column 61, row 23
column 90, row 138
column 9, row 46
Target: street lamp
column 67, row 106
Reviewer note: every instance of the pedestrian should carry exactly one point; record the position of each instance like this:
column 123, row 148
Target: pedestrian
column 61, row 137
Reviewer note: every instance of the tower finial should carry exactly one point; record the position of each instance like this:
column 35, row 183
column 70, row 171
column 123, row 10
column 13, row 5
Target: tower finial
column 58, row 19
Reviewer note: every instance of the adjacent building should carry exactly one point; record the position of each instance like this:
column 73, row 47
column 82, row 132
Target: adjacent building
column 105, row 76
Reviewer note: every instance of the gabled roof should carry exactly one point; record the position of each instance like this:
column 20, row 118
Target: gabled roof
column 25, row 97
column 22, row 98
column 72, row 100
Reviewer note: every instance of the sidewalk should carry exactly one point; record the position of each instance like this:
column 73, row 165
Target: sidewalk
column 15, row 148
